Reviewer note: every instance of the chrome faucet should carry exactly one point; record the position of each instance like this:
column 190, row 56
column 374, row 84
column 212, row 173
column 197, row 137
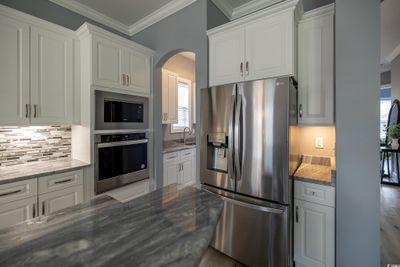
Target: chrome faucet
column 184, row 134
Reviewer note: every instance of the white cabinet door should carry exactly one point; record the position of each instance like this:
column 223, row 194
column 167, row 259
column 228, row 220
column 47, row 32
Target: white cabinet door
column 107, row 64
column 187, row 171
column 14, row 72
column 61, row 199
column 171, row 168
column 17, row 211
column 51, row 77
column 169, row 97
column 270, row 47
column 137, row 69
column 314, row 234
column 316, row 71
column 227, row 57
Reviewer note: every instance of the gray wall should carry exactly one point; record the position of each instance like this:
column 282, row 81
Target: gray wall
column 183, row 31
column 49, row 11
column 357, row 129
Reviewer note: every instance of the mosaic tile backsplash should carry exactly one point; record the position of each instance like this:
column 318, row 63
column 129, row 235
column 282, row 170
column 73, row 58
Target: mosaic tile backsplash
column 19, row 145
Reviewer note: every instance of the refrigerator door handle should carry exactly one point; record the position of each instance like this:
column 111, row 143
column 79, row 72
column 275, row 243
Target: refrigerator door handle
column 231, row 173
column 237, row 137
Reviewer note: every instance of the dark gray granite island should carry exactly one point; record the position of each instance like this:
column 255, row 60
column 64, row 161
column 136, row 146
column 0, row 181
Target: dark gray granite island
column 168, row 227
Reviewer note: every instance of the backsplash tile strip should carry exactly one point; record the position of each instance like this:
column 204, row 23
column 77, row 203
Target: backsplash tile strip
column 20, row 145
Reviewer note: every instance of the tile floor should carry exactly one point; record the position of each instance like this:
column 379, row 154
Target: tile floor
column 390, row 225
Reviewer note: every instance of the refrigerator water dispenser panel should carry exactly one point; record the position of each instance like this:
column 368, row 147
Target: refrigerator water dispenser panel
column 217, row 146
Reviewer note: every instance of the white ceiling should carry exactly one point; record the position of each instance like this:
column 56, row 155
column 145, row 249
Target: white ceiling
column 125, row 11
column 390, row 31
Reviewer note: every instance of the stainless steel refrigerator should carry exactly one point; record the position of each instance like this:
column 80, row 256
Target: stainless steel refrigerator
column 249, row 152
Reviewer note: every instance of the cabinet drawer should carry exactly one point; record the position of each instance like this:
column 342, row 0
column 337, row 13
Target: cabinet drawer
column 319, row 194
column 187, row 153
column 169, row 157
column 60, row 181
column 18, row 190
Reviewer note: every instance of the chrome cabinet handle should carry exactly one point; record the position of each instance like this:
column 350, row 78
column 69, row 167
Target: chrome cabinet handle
column 241, row 68
column 237, row 138
column 123, row 79
column 63, row 181
column 247, row 68
column 300, row 110
column 11, row 193
column 43, row 208
column 231, row 173
column 297, row 214
column 34, row 110
column 34, row 210
column 129, row 80
column 26, row 110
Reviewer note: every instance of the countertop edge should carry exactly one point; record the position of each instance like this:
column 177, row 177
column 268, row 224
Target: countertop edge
column 79, row 165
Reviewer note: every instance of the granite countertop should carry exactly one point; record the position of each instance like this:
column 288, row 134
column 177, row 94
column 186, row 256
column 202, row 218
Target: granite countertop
column 21, row 172
column 173, row 146
column 317, row 171
column 167, row 227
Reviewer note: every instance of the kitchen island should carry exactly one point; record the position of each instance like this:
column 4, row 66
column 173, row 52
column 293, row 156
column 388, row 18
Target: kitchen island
column 167, row 227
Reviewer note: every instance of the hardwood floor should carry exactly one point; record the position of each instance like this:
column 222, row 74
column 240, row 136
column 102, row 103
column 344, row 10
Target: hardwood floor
column 390, row 225
column 214, row 258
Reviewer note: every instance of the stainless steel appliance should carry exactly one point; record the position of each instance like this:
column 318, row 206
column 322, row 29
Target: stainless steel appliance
column 118, row 111
column 120, row 159
column 248, row 153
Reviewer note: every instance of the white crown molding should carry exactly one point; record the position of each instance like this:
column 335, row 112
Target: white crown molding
column 158, row 15
column 251, row 7
column 318, row 12
column 225, row 7
column 92, row 14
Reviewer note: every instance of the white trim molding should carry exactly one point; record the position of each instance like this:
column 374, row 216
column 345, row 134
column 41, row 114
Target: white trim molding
column 92, row 14
column 233, row 13
column 156, row 16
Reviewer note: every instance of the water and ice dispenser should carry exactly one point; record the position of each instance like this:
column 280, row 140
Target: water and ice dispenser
column 217, row 152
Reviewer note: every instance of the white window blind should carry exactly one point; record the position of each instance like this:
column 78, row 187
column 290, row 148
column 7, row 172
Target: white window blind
column 183, row 107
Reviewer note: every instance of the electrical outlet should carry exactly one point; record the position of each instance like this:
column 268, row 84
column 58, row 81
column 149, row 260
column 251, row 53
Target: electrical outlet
column 319, row 142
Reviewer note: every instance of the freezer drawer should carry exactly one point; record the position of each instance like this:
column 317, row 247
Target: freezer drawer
column 254, row 235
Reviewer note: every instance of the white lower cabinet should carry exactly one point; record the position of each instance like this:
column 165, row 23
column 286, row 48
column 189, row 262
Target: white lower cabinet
column 24, row 200
column 17, row 211
column 61, row 199
column 314, row 228
column 180, row 167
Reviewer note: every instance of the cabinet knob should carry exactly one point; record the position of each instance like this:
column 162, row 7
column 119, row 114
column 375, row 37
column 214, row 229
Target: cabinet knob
column 241, row 68
column 34, row 110
column 26, row 110
column 247, row 68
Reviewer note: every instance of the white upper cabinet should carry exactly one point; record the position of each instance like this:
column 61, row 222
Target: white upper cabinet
column 257, row 46
column 51, row 77
column 227, row 56
column 107, row 63
column 14, row 72
column 36, row 70
column 269, row 47
column 169, row 97
column 316, row 67
column 116, row 63
column 138, row 71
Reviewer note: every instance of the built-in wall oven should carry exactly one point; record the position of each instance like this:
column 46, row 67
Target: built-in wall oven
column 119, row 111
column 120, row 159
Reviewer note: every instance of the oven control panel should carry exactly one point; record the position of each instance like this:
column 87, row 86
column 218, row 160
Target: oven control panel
column 108, row 138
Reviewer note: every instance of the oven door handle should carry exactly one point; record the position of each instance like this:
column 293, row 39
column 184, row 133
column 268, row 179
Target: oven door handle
column 122, row 143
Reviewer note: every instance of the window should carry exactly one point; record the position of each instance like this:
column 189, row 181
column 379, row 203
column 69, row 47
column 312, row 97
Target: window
column 385, row 104
column 184, row 111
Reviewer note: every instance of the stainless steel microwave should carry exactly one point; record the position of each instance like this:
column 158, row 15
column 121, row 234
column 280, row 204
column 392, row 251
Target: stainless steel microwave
column 118, row 111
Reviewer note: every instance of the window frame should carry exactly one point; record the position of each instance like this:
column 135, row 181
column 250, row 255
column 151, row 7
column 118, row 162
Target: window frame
column 175, row 130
